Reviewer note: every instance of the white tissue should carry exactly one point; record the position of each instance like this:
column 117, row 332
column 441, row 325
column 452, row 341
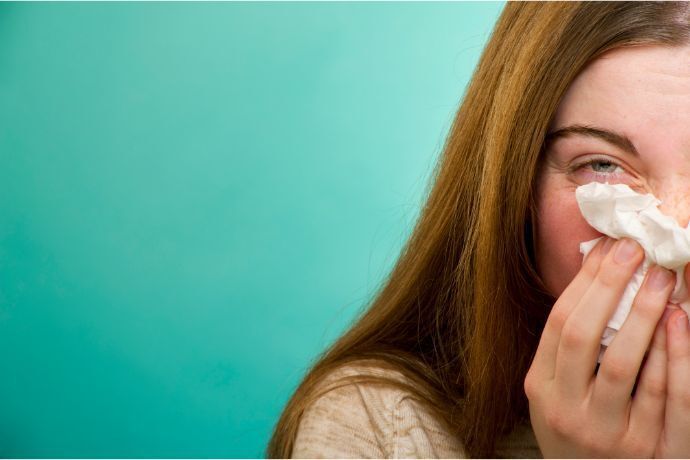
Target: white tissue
column 618, row 211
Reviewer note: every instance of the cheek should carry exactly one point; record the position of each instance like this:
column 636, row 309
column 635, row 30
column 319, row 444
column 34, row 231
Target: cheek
column 559, row 231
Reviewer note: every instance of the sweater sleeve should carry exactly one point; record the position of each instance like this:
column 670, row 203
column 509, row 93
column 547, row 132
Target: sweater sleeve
column 341, row 424
column 363, row 420
column 418, row 434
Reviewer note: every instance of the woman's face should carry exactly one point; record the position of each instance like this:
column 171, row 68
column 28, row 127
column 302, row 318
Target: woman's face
column 641, row 96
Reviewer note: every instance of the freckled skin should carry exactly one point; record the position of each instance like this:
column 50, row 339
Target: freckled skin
column 644, row 93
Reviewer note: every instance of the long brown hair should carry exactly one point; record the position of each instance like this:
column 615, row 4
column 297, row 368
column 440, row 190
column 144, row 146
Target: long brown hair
column 462, row 311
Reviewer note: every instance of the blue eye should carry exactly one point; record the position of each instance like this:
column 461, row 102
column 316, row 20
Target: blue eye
column 605, row 166
column 605, row 169
column 599, row 166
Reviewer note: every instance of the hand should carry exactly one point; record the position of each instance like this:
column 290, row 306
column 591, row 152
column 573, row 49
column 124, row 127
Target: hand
column 577, row 413
column 668, row 369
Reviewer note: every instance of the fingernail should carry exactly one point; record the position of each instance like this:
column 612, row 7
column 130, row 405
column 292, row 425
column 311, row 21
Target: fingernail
column 626, row 251
column 659, row 278
column 682, row 322
column 606, row 246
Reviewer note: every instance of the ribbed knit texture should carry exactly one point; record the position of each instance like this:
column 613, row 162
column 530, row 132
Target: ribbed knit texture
column 363, row 420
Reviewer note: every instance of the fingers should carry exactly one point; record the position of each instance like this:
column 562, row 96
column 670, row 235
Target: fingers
column 649, row 401
column 623, row 358
column 677, row 417
column 543, row 366
column 580, row 338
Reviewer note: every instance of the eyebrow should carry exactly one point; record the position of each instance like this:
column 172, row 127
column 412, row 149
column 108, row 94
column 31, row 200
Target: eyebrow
column 619, row 140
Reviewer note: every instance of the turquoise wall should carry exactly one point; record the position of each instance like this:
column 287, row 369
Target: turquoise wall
column 195, row 199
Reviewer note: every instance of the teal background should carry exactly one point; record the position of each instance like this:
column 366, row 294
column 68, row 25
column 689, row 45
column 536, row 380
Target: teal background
column 196, row 199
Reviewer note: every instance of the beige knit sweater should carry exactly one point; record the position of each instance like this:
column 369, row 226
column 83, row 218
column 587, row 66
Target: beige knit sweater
column 361, row 420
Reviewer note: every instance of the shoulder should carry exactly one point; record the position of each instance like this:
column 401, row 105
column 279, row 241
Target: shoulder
column 358, row 420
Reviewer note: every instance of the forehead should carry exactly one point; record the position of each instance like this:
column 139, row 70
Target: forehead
column 642, row 92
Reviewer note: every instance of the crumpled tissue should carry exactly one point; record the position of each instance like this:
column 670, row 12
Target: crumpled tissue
column 618, row 211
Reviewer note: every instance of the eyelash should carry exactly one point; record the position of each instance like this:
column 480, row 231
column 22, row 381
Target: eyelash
column 593, row 160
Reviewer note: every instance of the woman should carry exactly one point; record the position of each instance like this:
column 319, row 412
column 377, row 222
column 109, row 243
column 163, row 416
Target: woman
column 483, row 342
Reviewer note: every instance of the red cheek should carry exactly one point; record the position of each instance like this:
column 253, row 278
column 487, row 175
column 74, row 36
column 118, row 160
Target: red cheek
column 560, row 230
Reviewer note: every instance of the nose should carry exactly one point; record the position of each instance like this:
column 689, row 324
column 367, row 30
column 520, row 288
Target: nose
column 676, row 203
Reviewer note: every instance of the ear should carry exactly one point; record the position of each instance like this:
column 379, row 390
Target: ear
column 686, row 274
